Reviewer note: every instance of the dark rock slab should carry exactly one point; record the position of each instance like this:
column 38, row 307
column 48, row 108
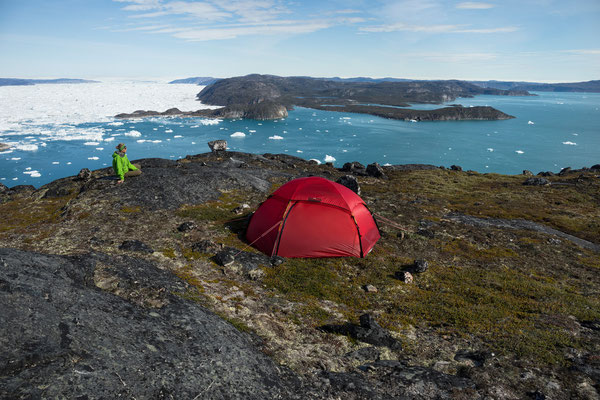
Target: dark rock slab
column 167, row 184
column 375, row 170
column 350, row 182
column 519, row 224
column 536, row 182
column 63, row 337
column 420, row 266
column 187, row 226
column 354, row 168
column 400, row 380
column 246, row 260
column 217, row 145
column 136, row 245
column 369, row 331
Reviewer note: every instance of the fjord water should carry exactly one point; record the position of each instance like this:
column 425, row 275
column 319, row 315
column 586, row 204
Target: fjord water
column 550, row 131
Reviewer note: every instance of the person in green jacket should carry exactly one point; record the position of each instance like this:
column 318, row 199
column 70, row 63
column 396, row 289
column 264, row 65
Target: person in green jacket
column 121, row 165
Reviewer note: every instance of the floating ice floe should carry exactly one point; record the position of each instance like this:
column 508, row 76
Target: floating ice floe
column 110, row 139
column 155, row 141
column 33, row 173
column 177, row 136
column 209, row 122
column 15, row 179
column 570, row 143
column 69, row 163
column 133, row 134
column 530, row 123
column 115, row 124
column 490, row 149
column 91, row 144
column 329, row 158
column 387, row 165
column 284, row 131
column 93, row 158
column 132, row 127
column 519, row 151
column 195, row 126
column 252, row 131
column 15, row 158
column 299, row 151
column 26, row 147
column 154, row 129
column 576, row 134
column 275, row 137
column 169, row 131
column 412, row 120
column 193, row 142
column 99, row 148
column 55, row 162
column 141, row 140
column 238, row 134
column 344, row 151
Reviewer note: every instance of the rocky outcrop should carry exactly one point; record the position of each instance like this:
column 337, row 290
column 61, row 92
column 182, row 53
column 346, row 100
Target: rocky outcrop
column 106, row 317
column 287, row 92
column 4, row 146
column 99, row 326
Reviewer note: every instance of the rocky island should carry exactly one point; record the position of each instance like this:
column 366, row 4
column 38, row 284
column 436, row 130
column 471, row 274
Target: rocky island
column 483, row 286
column 270, row 97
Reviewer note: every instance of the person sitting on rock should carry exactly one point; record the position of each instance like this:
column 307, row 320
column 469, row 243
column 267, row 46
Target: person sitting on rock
column 121, row 165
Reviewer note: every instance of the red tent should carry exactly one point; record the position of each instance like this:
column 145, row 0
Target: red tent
column 313, row 217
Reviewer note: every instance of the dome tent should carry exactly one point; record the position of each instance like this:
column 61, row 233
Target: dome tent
column 313, row 217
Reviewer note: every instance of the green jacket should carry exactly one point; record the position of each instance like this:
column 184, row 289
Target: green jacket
column 121, row 165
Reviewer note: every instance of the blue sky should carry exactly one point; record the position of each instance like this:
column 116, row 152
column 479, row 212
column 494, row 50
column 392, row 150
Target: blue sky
column 533, row 40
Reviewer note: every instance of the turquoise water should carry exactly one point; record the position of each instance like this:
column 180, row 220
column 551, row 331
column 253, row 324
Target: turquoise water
column 550, row 131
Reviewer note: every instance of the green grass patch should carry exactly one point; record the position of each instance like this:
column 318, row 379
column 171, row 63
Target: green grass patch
column 466, row 250
column 218, row 211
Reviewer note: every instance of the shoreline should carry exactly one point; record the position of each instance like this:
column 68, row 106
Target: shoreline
column 385, row 167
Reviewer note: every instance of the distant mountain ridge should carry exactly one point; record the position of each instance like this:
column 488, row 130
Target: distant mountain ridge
column 198, row 80
column 588, row 86
column 29, row 82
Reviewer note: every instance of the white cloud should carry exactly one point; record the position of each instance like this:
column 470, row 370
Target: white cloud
column 231, row 33
column 400, row 27
column 585, row 52
column 506, row 29
column 471, row 5
column 411, row 28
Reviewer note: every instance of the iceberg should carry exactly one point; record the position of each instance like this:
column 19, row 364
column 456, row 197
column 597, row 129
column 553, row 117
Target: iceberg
column 27, row 147
column 329, row 158
column 570, row 143
column 238, row 134
column 133, row 134
column 530, row 123
column 519, row 151
column 275, row 137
